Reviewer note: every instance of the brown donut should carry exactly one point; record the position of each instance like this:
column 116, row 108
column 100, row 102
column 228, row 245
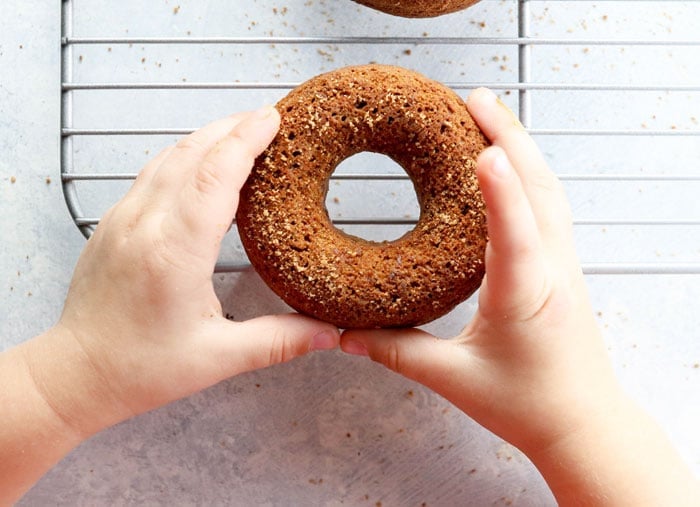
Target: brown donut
column 417, row 8
column 351, row 282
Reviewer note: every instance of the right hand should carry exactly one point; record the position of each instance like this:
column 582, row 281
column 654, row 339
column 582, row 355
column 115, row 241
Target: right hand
column 531, row 366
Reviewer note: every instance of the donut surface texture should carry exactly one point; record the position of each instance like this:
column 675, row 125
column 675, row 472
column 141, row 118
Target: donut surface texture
column 339, row 278
column 417, row 8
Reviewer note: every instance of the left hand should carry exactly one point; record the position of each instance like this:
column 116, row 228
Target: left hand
column 142, row 307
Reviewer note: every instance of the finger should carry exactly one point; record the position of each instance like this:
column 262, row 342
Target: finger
column 174, row 171
column 503, row 128
column 144, row 178
column 541, row 186
column 515, row 260
column 207, row 203
column 273, row 339
column 442, row 365
column 141, row 182
column 160, row 178
column 129, row 207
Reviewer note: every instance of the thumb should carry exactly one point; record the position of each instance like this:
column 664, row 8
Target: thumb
column 441, row 365
column 264, row 341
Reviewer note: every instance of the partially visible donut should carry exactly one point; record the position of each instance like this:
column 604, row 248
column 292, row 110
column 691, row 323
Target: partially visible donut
column 351, row 282
column 417, row 8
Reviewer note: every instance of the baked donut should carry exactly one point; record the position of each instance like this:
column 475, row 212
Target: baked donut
column 339, row 278
column 417, row 8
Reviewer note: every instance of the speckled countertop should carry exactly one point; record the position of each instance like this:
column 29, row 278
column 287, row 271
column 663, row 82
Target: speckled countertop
column 329, row 429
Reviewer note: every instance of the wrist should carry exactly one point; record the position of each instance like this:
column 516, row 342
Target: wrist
column 618, row 456
column 71, row 384
column 52, row 400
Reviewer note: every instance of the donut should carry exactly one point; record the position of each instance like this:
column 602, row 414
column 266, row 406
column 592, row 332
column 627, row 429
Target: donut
column 417, row 8
column 351, row 282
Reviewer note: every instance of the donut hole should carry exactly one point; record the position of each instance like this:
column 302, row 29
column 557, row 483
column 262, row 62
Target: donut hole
column 369, row 207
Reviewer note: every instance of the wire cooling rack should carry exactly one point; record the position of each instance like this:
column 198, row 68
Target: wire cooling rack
column 612, row 99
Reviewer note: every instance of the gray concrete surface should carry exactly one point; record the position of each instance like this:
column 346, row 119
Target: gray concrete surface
column 329, row 429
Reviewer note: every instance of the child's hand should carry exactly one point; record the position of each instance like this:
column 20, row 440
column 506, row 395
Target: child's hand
column 531, row 366
column 142, row 305
column 533, row 345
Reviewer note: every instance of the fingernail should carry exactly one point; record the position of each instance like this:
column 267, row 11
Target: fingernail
column 263, row 113
column 516, row 120
column 501, row 165
column 485, row 94
column 325, row 340
column 355, row 348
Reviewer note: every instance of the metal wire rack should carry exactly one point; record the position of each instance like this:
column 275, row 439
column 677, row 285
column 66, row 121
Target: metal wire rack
column 84, row 83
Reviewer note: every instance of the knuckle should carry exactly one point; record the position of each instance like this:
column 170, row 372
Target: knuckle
column 526, row 250
column 190, row 144
column 161, row 261
column 546, row 182
column 553, row 308
column 392, row 357
column 208, row 177
column 281, row 347
column 243, row 144
column 240, row 145
column 114, row 233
